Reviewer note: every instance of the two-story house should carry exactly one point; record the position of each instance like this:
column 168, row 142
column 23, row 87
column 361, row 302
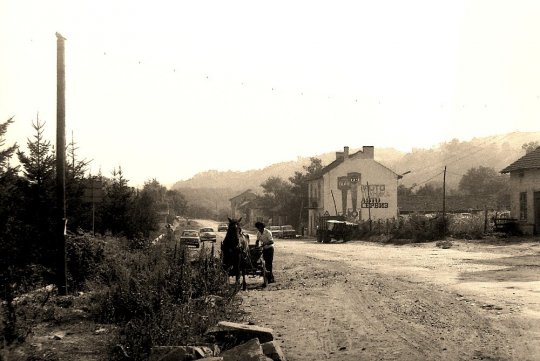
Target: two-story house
column 525, row 191
column 355, row 186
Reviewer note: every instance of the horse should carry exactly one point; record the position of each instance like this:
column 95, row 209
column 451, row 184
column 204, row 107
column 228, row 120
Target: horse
column 235, row 252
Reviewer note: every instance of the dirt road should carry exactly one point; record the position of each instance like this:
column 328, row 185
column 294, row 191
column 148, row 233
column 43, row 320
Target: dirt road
column 368, row 301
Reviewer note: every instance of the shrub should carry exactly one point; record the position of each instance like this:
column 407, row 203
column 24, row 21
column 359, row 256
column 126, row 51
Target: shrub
column 468, row 228
column 159, row 296
column 84, row 254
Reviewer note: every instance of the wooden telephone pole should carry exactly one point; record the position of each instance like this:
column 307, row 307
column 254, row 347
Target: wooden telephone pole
column 444, row 203
column 61, row 219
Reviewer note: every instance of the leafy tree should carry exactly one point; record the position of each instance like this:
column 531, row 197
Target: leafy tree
column 299, row 191
column 288, row 198
column 144, row 215
column 404, row 191
column 176, row 201
column 276, row 190
column 482, row 180
column 529, row 147
column 429, row 190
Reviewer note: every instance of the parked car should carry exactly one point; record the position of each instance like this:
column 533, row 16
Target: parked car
column 222, row 227
column 277, row 232
column 288, row 231
column 190, row 237
column 207, row 234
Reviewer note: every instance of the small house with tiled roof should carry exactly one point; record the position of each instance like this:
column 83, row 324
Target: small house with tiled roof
column 525, row 191
column 239, row 202
column 355, row 186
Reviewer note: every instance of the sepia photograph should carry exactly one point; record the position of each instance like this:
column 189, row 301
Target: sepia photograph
column 282, row 180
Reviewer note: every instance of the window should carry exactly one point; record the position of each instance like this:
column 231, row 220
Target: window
column 523, row 206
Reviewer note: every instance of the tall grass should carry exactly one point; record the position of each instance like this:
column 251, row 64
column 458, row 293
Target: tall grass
column 161, row 295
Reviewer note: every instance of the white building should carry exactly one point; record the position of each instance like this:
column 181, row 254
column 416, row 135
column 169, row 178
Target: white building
column 525, row 191
column 354, row 186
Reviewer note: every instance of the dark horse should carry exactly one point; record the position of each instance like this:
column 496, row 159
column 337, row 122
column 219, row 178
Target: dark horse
column 234, row 251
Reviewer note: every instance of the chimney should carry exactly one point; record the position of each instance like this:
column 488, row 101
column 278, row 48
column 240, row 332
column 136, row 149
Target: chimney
column 346, row 152
column 339, row 155
column 369, row 151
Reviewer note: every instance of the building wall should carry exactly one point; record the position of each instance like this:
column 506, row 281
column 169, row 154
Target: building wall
column 238, row 200
column 348, row 183
column 527, row 181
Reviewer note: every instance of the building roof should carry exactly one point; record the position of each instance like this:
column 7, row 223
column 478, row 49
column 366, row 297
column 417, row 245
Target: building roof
column 244, row 193
column 530, row 160
column 340, row 160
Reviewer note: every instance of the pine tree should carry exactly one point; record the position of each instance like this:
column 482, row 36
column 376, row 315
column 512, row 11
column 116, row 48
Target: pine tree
column 39, row 193
column 78, row 213
column 117, row 203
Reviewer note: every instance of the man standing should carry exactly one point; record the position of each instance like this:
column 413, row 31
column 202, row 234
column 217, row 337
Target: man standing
column 264, row 236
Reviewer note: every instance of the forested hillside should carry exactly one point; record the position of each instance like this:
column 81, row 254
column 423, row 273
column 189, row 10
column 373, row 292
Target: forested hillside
column 425, row 166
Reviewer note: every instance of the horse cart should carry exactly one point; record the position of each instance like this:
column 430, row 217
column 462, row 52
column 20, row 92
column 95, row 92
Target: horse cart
column 255, row 265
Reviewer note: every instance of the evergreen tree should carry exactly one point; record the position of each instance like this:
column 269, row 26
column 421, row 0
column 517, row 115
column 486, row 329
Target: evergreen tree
column 39, row 194
column 9, row 208
column 78, row 212
column 117, row 203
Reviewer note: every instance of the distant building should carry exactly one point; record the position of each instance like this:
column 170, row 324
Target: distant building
column 525, row 191
column 247, row 206
column 239, row 202
column 355, row 186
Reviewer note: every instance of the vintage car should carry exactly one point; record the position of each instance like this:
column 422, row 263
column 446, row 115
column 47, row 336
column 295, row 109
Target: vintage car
column 334, row 228
column 190, row 237
column 222, row 227
column 207, row 234
column 288, row 231
column 277, row 232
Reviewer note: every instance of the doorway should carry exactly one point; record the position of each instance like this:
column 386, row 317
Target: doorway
column 536, row 205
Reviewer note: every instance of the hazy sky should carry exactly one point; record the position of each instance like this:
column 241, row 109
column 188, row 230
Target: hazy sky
column 167, row 89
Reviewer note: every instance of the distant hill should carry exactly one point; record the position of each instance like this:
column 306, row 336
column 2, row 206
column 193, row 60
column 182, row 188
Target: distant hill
column 214, row 188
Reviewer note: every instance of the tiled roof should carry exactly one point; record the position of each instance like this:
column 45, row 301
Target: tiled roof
column 528, row 161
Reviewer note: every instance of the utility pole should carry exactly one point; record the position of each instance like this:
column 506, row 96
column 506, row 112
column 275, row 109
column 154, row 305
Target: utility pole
column 61, row 219
column 369, row 206
column 335, row 207
column 444, row 202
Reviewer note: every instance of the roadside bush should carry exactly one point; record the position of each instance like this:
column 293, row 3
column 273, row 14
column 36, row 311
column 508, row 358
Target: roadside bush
column 417, row 228
column 468, row 228
column 159, row 296
column 84, row 254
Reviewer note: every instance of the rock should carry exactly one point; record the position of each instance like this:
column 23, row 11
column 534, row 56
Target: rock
column 249, row 351
column 240, row 333
column 58, row 335
column 273, row 350
column 181, row 353
column 100, row 330
column 216, row 358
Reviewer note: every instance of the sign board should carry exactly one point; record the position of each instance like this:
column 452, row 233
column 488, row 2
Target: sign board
column 93, row 191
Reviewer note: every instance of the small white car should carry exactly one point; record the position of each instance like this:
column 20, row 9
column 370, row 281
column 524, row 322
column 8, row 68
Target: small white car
column 190, row 237
column 207, row 234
